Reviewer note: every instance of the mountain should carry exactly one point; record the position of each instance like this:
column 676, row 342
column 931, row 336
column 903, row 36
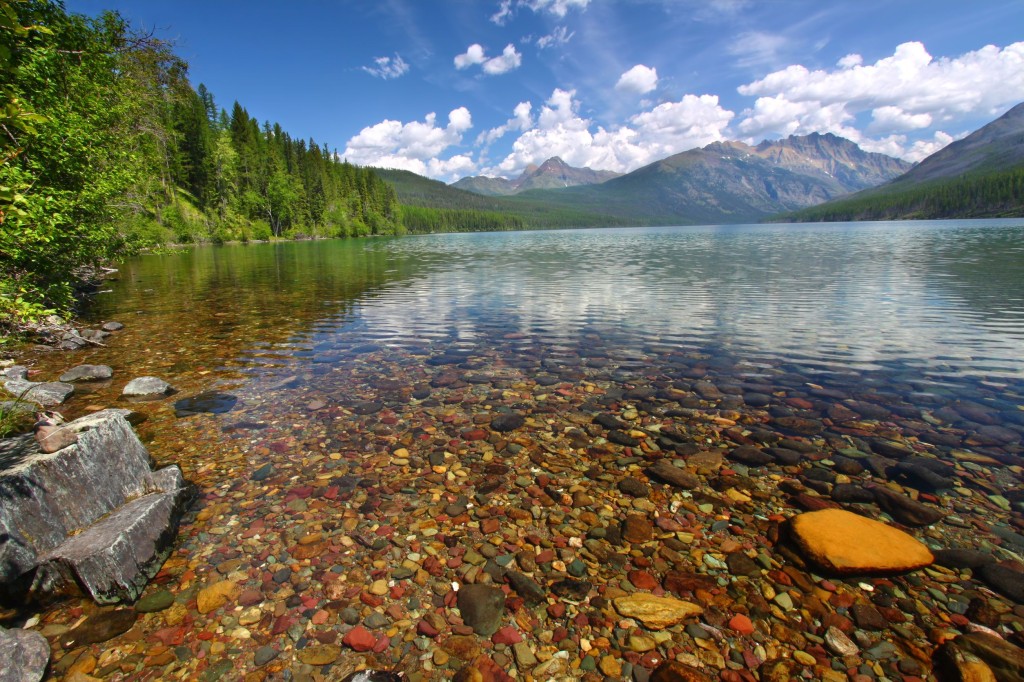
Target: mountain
column 732, row 182
column 980, row 176
column 553, row 173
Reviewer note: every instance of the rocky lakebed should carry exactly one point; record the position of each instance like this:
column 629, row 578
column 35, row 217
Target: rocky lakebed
column 511, row 512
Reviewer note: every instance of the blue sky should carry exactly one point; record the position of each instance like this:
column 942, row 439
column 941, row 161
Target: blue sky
column 469, row 87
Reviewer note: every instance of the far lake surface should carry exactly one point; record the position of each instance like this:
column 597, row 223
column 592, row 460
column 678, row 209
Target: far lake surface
column 910, row 315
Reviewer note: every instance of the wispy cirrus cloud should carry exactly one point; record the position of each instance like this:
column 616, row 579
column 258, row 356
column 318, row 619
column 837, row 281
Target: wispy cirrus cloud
column 387, row 67
column 560, row 36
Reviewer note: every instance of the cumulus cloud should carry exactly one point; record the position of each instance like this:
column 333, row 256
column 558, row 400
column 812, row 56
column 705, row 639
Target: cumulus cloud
column 560, row 36
column 667, row 129
column 387, row 67
column 639, row 80
column 907, row 91
column 508, row 60
column 522, row 120
column 414, row 146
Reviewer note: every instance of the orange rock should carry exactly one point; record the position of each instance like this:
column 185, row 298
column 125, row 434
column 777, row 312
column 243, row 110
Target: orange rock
column 844, row 542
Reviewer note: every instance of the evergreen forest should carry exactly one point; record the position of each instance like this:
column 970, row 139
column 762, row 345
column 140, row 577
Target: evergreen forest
column 107, row 149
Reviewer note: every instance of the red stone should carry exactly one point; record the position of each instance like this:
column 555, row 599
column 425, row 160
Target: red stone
column 359, row 639
column 507, row 635
column 741, row 624
column 642, row 580
column 474, row 434
column 370, row 599
column 546, row 556
column 556, row 610
column 489, row 526
column 426, row 629
column 171, row 636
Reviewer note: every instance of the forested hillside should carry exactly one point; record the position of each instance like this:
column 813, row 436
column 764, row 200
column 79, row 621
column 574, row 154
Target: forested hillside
column 107, row 148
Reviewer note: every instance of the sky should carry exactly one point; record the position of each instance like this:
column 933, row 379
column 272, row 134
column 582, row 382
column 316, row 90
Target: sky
column 487, row 87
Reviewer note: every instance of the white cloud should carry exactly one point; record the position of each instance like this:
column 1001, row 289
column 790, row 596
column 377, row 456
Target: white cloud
column 503, row 14
column 522, row 120
column 667, row 129
column 557, row 7
column 474, row 54
column 508, row 60
column 639, row 80
column 904, row 92
column 414, row 146
column 560, row 36
column 387, row 67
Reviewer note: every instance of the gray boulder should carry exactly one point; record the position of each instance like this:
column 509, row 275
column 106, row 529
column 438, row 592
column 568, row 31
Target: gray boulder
column 24, row 655
column 90, row 517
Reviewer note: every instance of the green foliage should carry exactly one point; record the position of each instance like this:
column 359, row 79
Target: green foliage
column 105, row 148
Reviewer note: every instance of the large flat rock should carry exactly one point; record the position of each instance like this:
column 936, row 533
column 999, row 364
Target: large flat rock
column 846, row 543
column 113, row 559
column 92, row 515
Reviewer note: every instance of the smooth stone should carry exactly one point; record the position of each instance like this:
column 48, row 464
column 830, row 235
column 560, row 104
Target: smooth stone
column 838, row 643
column 674, row 671
column 634, row 487
column 100, row 627
column 112, row 326
column 45, row 394
column 265, row 654
column 87, row 373
column 157, row 601
column 527, row 588
column 209, row 402
column 482, row 608
column 146, row 386
column 1005, row 659
column 656, row 613
column 905, row 510
column 24, row 655
column 665, row 471
column 845, row 543
column 263, row 472
column 507, row 422
column 321, row 654
column 1005, row 581
column 962, row 558
column 218, row 594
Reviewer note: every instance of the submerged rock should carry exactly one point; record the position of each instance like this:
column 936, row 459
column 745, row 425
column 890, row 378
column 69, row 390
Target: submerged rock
column 147, row 386
column 482, row 608
column 846, row 543
column 87, row 373
column 45, row 394
column 211, row 402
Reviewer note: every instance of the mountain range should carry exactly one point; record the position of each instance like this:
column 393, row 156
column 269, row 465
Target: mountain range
column 981, row 175
column 810, row 177
column 552, row 174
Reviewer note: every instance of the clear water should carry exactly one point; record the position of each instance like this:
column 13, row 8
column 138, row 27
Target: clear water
column 921, row 313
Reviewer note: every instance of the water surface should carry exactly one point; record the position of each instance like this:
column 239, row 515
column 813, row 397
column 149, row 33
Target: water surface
column 920, row 313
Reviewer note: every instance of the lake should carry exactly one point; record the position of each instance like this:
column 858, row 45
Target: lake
column 379, row 419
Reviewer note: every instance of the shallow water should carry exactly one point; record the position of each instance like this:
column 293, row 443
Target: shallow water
column 935, row 306
column 371, row 377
